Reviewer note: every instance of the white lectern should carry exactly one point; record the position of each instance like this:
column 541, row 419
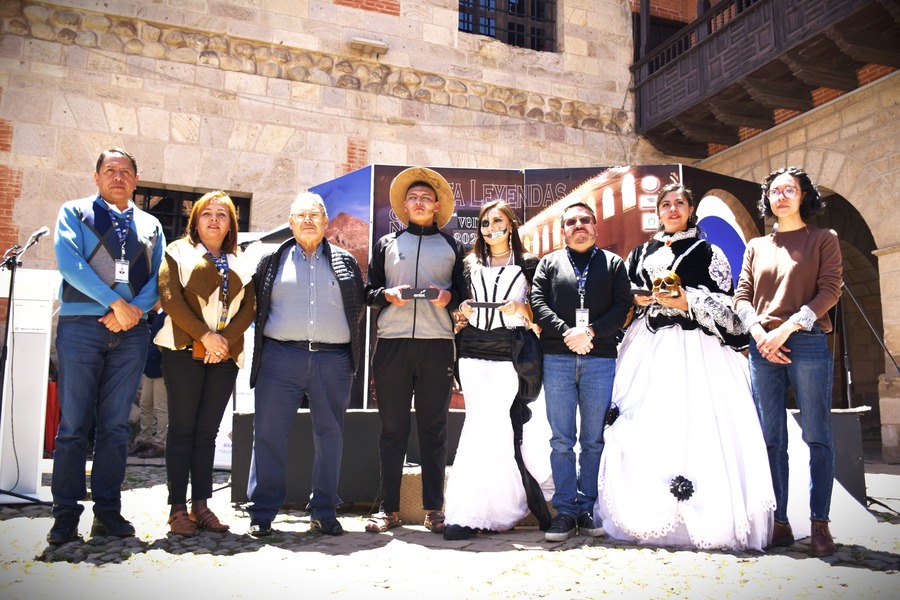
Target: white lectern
column 25, row 382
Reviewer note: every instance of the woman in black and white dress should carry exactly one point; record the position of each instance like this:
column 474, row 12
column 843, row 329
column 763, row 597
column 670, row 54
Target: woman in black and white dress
column 684, row 463
column 485, row 489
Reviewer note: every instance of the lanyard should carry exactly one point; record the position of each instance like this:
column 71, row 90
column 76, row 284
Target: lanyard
column 222, row 266
column 581, row 277
column 121, row 227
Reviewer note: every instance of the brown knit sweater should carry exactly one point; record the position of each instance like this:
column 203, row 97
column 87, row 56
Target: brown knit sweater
column 782, row 272
column 190, row 290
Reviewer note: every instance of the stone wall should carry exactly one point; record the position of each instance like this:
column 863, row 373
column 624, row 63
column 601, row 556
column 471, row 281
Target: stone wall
column 268, row 98
column 851, row 147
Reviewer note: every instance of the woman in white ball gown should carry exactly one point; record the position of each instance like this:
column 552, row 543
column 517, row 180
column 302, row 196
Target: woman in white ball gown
column 684, row 463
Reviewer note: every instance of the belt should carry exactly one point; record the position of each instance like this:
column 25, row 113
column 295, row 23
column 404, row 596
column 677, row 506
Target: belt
column 314, row 346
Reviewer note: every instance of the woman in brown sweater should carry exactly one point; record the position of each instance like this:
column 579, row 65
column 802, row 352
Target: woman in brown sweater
column 790, row 279
column 209, row 296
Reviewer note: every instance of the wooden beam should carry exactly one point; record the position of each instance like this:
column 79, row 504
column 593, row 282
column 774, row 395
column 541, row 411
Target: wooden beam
column 878, row 49
column 742, row 114
column 679, row 146
column 821, row 73
column 772, row 94
column 708, row 131
column 645, row 27
column 893, row 8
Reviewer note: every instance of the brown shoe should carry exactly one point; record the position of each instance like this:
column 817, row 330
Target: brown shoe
column 782, row 535
column 181, row 524
column 820, row 541
column 434, row 521
column 207, row 519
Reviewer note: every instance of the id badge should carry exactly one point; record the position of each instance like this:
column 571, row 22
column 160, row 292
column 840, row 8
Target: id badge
column 121, row 271
column 581, row 317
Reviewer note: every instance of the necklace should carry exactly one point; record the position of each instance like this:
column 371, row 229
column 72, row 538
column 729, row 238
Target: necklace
column 501, row 253
column 504, row 262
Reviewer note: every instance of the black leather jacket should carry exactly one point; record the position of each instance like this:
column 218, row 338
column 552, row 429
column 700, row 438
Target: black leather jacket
column 349, row 278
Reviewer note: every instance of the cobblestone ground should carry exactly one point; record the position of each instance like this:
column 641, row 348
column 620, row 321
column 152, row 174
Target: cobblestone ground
column 408, row 562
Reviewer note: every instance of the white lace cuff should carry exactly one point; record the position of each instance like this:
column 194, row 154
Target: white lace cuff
column 748, row 318
column 805, row 318
column 712, row 310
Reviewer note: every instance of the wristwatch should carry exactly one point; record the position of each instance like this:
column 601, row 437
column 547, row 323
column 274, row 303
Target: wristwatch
column 589, row 333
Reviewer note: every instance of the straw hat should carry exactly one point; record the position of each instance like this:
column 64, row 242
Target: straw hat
column 400, row 185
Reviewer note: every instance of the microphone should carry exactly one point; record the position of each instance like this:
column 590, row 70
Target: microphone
column 37, row 235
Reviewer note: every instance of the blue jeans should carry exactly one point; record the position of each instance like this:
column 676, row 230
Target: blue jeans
column 583, row 384
column 810, row 375
column 286, row 373
column 99, row 375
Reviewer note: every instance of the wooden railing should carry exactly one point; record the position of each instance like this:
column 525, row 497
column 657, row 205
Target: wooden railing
column 727, row 42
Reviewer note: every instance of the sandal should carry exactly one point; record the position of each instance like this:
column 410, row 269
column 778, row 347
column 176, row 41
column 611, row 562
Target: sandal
column 181, row 524
column 434, row 521
column 206, row 519
column 381, row 522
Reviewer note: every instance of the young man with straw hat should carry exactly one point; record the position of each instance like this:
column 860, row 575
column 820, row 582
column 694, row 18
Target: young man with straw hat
column 415, row 279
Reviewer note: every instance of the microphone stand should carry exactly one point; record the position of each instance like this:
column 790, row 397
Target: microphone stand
column 845, row 287
column 841, row 318
column 11, row 261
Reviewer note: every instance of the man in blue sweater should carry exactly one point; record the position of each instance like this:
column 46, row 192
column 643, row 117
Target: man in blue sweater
column 108, row 252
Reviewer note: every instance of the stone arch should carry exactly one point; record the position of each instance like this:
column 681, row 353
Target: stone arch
column 855, row 338
column 746, row 221
column 860, row 184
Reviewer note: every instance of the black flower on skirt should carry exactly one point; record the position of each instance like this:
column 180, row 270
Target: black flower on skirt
column 681, row 488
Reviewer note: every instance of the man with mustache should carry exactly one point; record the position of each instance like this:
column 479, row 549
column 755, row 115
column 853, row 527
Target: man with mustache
column 580, row 298
column 108, row 251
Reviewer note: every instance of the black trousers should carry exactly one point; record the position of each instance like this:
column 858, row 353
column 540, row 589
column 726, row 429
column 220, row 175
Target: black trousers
column 404, row 368
column 198, row 394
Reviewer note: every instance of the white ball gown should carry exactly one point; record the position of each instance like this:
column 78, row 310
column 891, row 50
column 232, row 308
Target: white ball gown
column 686, row 415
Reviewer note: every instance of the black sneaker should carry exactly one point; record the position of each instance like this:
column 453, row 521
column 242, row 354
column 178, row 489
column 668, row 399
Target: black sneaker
column 562, row 527
column 326, row 525
column 260, row 528
column 64, row 530
column 112, row 524
column 458, row 532
column 586, row 526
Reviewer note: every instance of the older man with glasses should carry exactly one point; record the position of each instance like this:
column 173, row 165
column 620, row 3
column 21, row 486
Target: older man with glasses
column 580, row 298
column 308, row 341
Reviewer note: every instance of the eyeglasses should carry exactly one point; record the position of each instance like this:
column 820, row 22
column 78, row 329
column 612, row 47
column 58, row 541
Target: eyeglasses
column 312, row 216
column 667, row 285
column 790, row 192
column 572, row 221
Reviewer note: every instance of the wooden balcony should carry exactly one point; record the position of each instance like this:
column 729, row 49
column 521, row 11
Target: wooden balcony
column 736, row 65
